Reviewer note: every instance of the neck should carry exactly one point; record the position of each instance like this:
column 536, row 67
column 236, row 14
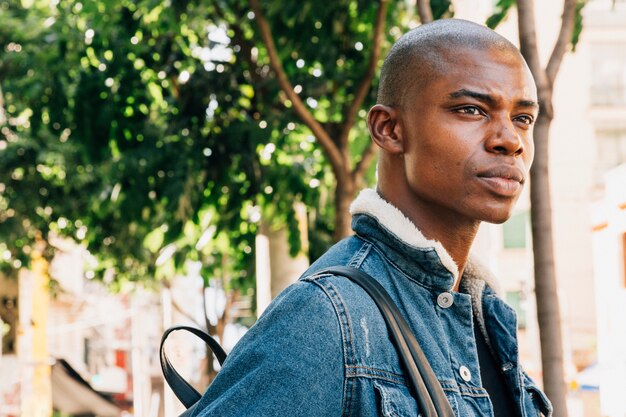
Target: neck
column 455, row 233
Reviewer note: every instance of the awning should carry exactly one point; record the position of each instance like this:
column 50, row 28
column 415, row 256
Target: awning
column 71, row 394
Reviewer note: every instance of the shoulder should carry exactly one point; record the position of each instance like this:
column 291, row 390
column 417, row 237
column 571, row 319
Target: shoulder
column 359, row 317
column 302, row 304
column 276, row 367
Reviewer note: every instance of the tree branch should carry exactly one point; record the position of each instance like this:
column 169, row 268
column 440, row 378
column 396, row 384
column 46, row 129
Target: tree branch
column 366, row 81
column 563, row 40
column 528, row 47
column 528, row 37
column 325, row 141
column 167, row 284
column 186, row 314
column 366, row 160
column 424, row 11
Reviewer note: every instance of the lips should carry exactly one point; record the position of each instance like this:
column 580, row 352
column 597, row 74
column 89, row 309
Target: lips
column 503, row 180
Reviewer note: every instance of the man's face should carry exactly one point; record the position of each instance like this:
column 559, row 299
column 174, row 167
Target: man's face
column 468, row 136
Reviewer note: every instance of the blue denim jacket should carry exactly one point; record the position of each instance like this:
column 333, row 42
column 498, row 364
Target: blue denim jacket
column 322, row 348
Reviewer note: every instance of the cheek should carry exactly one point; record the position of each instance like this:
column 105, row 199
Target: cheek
column 440, row 157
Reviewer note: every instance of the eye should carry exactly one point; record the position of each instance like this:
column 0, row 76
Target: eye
column 525, row 119
column 469, row 110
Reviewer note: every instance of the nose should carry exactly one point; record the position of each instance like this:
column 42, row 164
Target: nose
column 505, row 139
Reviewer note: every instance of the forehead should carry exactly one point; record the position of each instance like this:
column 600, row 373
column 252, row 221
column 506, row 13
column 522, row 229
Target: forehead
column 497, row 71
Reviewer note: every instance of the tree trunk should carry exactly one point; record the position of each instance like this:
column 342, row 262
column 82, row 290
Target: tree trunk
column 344, row 194
column 32, row 343
column 211, row 372
column 424, row 11
column 545, row 277
column 285, row 269
column 218, row 329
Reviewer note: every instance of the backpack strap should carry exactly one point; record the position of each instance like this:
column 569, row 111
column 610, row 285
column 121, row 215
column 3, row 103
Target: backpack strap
column 425, row 386
column 187, row 394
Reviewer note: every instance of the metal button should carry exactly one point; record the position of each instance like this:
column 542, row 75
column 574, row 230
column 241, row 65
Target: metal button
column 445, row 300
column 465, row 373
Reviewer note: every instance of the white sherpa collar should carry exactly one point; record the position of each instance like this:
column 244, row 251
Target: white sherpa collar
column 371, row 203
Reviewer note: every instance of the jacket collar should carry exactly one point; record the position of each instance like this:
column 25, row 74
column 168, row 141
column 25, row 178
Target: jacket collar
column 395, row 223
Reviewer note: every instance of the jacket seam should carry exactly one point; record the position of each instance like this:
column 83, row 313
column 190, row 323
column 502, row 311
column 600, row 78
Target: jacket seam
column 367, row 371
column 360, row 255
column 370, row 368
column 347, row 339
column 376, row 377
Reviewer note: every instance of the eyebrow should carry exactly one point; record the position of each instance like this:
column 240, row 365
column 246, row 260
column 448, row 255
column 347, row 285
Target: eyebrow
column 486, row 98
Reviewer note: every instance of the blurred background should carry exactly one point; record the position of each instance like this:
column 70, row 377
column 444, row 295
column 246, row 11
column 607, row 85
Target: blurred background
column 181, row 162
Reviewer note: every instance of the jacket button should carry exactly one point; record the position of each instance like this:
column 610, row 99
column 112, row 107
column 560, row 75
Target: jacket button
column 465, row 373
column 445, row 300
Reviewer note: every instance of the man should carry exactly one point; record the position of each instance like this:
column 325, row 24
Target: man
column 454, row 123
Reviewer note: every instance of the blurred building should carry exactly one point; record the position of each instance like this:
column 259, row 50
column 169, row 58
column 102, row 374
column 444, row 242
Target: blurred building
column 609, row 257
column 607, row 54
column 87, row 342
column 102, row 349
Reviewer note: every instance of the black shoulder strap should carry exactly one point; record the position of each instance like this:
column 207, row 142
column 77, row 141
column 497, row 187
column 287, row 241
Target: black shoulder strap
column 183, row 390
column 426, row 388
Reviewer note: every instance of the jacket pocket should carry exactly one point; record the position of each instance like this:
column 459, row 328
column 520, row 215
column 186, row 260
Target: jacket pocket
column 394, row 400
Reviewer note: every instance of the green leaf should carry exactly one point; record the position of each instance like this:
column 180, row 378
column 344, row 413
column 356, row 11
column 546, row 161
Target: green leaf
column 154, row 240
column 578, row 23
column 247, row 90
column 500, row 13
column 442, row 9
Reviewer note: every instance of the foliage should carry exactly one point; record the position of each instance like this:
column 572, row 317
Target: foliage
column 578, row 23
column 442, row 9
column 503, row 6
column 500, row 12
column 140, row 128
column 109, row 138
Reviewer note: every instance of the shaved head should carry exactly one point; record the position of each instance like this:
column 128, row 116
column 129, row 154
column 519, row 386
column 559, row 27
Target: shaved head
column 423, row 53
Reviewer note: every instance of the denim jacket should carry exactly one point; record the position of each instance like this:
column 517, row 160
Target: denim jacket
column 322, row 348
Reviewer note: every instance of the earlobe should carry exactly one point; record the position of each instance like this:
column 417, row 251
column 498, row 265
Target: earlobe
column 385, row 128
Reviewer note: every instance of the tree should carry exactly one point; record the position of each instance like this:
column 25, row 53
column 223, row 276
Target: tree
column 111, row 139
column 541, row 209
column 352, row 28
column 548, row 313
column 349, row 178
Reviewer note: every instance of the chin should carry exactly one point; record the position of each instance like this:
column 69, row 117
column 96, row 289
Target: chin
column 497, row 216
column 497, row 221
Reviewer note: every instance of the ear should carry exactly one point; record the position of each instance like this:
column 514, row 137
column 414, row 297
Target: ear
column 385, row 128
